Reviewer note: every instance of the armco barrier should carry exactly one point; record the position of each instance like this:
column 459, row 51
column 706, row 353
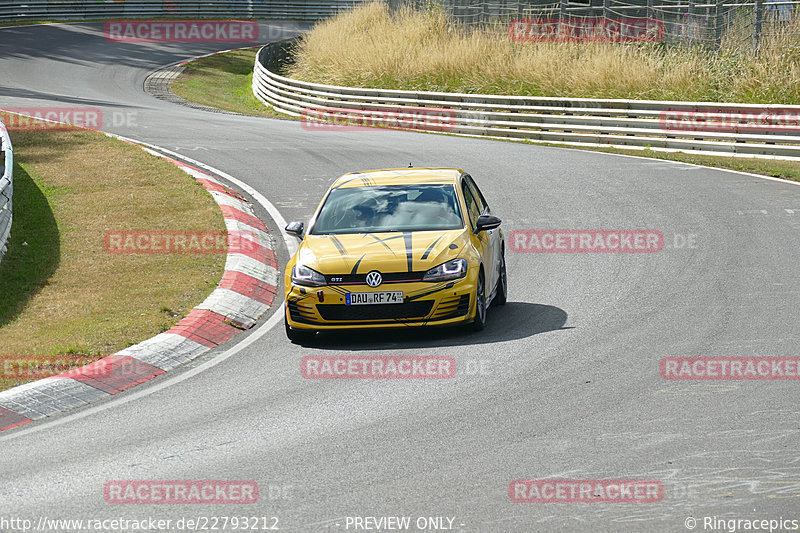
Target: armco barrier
column 746, row 130
column 6, row 188
column 34, row 10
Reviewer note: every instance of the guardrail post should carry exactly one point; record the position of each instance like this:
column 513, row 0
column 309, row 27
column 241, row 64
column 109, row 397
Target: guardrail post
column 650, row 9
column 562, row 9
column 690, row 22
column 605, row 9
column 759, row 7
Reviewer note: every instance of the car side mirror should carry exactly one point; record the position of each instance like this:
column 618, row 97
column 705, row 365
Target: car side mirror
column 486, row 222
column 295, row 228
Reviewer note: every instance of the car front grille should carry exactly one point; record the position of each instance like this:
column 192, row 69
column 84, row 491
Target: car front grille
column 367, row 313
column 361, row 279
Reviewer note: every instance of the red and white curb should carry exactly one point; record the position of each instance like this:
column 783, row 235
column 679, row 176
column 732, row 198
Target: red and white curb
column 247, row 290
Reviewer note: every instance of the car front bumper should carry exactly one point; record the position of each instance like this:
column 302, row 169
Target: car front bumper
column 425, row 304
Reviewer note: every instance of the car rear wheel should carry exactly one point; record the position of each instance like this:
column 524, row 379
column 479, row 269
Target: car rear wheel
column 480, row 304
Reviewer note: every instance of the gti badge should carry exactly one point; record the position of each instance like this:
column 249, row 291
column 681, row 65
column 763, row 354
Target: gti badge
column 374, row 278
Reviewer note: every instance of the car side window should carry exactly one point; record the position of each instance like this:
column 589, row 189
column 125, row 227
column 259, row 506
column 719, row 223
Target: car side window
column 473, row 208
column 476, row 193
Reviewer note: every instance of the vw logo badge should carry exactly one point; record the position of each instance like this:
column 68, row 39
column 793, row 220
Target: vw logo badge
column 374, row 278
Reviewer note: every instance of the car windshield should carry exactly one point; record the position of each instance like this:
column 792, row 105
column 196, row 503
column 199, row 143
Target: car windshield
column 389, row 208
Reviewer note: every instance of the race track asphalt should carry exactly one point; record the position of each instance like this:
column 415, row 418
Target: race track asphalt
column 563, row 383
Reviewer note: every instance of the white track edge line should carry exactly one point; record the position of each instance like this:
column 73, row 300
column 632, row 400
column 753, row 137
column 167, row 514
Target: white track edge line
column 659, row 160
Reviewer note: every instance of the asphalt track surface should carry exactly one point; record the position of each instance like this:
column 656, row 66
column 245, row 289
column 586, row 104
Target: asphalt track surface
column 567, row 384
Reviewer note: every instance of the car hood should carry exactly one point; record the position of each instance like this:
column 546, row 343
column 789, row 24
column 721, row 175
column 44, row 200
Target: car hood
column 411, row 251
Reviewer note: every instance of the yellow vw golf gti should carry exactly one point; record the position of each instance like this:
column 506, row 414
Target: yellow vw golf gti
column 396, row 248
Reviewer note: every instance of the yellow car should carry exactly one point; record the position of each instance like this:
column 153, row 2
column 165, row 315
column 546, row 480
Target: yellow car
column 396, row 248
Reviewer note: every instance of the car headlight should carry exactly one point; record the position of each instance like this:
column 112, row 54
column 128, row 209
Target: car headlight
column 454, row 269
column 302, row 275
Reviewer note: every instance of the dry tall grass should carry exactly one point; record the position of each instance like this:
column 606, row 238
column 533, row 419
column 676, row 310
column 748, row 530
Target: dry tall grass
column 371, row 47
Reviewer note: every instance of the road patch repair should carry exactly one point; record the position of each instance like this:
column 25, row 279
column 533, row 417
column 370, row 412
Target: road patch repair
column 245, row 292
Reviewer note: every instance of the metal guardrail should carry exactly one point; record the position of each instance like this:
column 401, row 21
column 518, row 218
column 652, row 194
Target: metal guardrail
column 53, row 10
column 6, row 188
column 694, row 127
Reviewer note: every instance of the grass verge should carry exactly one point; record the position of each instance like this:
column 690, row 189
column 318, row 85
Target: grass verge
column 61, row 293
column 223, row 81
column 788, row 170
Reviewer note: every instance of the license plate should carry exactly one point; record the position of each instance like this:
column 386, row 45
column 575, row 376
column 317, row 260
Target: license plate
column 372, row 298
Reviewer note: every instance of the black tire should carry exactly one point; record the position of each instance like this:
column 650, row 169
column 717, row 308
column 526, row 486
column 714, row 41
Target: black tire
column 298, row 336
column 480, row 304
column 501, row 295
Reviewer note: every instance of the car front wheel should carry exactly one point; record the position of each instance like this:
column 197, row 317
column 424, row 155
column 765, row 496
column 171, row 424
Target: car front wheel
column 480, row 304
